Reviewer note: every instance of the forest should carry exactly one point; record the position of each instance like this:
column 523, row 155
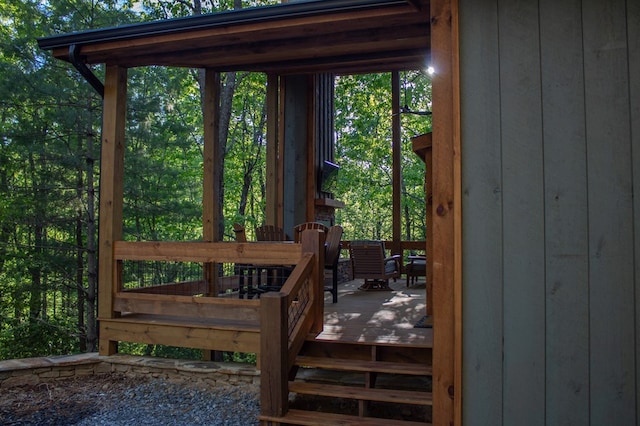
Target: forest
column 50, row 133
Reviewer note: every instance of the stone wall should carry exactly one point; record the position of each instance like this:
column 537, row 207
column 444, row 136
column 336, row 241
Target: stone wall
column 344, row 270
column 31, row 371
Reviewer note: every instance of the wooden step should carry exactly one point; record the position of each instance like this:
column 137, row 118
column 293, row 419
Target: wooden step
column 365, row 394
column 314, row 418
column 363, row 351
column 341, row 364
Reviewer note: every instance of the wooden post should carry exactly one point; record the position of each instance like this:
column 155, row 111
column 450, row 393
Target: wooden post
column 211, row 182
column 313, row 242
column 428, row 183
column 423, row 147
column 274, row 395
column 273, row 196
column 111, row 189
column 447, row 214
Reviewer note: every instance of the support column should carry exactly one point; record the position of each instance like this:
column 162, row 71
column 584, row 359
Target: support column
column 447, row 215
column 111, row 192
column 274, row 200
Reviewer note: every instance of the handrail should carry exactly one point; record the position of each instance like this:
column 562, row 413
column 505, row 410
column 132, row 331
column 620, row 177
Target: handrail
column 286, row 318
column 259, row 253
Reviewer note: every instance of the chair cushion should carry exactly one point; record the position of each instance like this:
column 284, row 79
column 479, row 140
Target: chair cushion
column 390, row 266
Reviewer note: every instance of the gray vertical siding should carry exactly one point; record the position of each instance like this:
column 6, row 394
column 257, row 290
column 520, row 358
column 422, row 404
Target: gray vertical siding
column 611, row 280
column 550, row 94
column 482, row 188
column 566, row 218
column 522, row 213
column 633, row 29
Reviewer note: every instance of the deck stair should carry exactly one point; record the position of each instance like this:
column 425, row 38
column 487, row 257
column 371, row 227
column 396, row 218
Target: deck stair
column 339, row 383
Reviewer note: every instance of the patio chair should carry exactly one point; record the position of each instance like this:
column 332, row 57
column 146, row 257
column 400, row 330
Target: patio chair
column 368, row 261
column 331, row 258
column 243, row 270
column 417, row 267
column 241, row 235
column 297, row 230
column 270, row 233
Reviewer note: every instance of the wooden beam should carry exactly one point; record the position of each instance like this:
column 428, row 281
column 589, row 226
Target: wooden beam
column 111, row 190
column 196, row 308
column 259, row 253
column 339, row 44
column 186, row 333
column 423, row 147
column 274, row 394
column 447, row 219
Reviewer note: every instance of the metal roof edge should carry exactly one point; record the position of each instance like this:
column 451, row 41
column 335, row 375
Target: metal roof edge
column 212, row 20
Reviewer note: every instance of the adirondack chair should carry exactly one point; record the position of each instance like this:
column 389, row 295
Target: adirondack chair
column 331, row 257
column 297, row 230
column 245, row 271
column 270, row 233
column 277, row 275
column 368, row 261
column 241, row 235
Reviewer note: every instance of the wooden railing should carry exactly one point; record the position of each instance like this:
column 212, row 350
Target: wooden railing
column 194, row 319
column 287, row 317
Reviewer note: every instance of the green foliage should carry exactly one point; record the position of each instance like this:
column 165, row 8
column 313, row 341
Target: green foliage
column 364, row 152
column 24, row 339
column 173, row 352
column 160, row 351
column 163, row 167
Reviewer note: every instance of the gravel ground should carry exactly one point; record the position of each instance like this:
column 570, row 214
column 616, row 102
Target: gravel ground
column 118, row 400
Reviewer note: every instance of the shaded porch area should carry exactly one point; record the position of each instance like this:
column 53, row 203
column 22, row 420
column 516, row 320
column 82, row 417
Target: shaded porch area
column 383, row 317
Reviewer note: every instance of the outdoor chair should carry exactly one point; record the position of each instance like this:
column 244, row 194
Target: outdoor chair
column 275, row 275
column 245, row 271
column 417, row 267
column 270, row 233
column 331, row 258
column 297, row 230
column 368, row 261
column 240, row 233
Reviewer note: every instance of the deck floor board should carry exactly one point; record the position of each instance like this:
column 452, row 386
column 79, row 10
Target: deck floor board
column 381, row 317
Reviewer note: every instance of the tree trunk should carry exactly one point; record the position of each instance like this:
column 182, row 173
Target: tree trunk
column 35, row 270
column 92, row 261
column 82, row 337
column 251, row 165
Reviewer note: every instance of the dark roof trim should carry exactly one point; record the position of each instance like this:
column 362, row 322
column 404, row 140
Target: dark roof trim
column 221, row 19
column 74, row 56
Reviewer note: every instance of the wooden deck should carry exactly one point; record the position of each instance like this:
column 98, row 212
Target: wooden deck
column 381, row 317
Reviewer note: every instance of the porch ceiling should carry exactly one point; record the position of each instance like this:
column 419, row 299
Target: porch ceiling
column 340, row 36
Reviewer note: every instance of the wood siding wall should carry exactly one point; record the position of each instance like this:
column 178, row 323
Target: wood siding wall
column 550, row 115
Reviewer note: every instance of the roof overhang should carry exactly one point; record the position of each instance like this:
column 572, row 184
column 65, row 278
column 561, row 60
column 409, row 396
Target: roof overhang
column 340, row 36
